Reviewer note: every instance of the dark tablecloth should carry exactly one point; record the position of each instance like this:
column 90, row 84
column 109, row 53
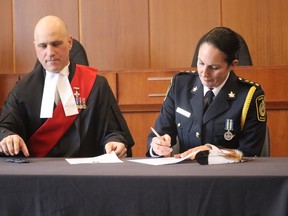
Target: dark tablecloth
column 51, row 186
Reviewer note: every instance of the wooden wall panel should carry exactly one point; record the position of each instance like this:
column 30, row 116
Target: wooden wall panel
column 6, row 46
column 143, row 87
column 144, row 33
column 139, row 124
column 270, row 78
column 278, row 124
column 27, row 13
column 176, row 27
column 264, row 26
column 115, row 33
column 7, row 82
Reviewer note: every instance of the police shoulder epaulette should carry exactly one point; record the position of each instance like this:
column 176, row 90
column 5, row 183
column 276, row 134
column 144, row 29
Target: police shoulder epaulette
column 248, row 82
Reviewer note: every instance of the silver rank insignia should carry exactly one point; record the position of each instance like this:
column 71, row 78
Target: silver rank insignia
column 229, row 126
column 195, row 88
column 80, row 102
column 231, row 95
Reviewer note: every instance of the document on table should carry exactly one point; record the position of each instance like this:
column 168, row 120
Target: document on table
column 163, row 160
column 105, row 158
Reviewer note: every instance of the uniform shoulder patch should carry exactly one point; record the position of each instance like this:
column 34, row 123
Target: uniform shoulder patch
column 248, row 82
column 261, row 108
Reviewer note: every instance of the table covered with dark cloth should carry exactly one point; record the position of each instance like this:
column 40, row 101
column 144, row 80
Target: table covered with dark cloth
column 52, row 186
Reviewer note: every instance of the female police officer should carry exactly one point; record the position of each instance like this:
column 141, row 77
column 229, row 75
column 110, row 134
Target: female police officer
column 235, row 119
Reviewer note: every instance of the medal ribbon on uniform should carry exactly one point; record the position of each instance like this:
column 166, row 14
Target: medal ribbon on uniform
column 80, row 101
column 229, row 126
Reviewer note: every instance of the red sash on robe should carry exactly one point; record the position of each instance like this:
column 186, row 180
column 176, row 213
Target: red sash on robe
column 48, row 135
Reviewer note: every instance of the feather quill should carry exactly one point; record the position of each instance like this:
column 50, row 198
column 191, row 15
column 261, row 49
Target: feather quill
column 219, row 156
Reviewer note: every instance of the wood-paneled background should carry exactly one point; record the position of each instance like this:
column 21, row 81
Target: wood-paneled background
column 148, row 34
column 121, row 34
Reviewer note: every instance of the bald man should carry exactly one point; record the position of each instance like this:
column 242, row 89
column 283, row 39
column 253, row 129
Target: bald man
column 61, row 109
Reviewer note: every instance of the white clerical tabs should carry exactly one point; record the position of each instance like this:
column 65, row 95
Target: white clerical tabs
column 66, row 95
column 48, row 97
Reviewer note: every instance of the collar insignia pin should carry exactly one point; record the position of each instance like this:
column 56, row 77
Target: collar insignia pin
column 231, row 95
column 195, row 88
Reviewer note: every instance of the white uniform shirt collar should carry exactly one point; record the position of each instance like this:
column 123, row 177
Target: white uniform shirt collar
column 217, row 89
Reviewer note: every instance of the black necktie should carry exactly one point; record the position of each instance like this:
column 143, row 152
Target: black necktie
column 208, row 99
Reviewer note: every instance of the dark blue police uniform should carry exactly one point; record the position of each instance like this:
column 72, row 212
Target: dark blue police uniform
column 236, row 118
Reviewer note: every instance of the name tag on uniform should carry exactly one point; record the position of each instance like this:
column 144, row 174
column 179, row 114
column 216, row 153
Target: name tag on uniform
column 183, row 112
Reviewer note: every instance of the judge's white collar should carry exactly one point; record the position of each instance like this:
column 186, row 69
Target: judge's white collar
column 57, row 87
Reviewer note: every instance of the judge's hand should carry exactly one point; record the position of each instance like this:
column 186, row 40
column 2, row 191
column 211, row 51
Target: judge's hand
column 195, row 150
column 162, row 147
column 118, row 147
column 12, row 145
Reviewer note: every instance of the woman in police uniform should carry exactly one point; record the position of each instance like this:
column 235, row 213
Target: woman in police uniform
column 235, row 118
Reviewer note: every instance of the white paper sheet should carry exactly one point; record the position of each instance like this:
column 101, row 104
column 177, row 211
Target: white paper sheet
column 163, row 160
column 105, row 158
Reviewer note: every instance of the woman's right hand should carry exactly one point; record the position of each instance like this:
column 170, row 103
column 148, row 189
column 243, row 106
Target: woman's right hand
column 162, row 147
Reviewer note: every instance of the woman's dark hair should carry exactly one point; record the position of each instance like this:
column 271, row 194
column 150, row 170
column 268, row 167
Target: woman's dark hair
column 225, row 40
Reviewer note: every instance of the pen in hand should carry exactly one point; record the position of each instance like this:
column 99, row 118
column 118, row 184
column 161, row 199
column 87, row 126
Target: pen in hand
column 158, row 136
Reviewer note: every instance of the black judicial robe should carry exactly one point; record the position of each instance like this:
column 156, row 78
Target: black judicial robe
column 99, row 123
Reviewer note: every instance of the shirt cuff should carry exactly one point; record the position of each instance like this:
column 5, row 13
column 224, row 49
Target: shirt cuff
column 152, row 154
